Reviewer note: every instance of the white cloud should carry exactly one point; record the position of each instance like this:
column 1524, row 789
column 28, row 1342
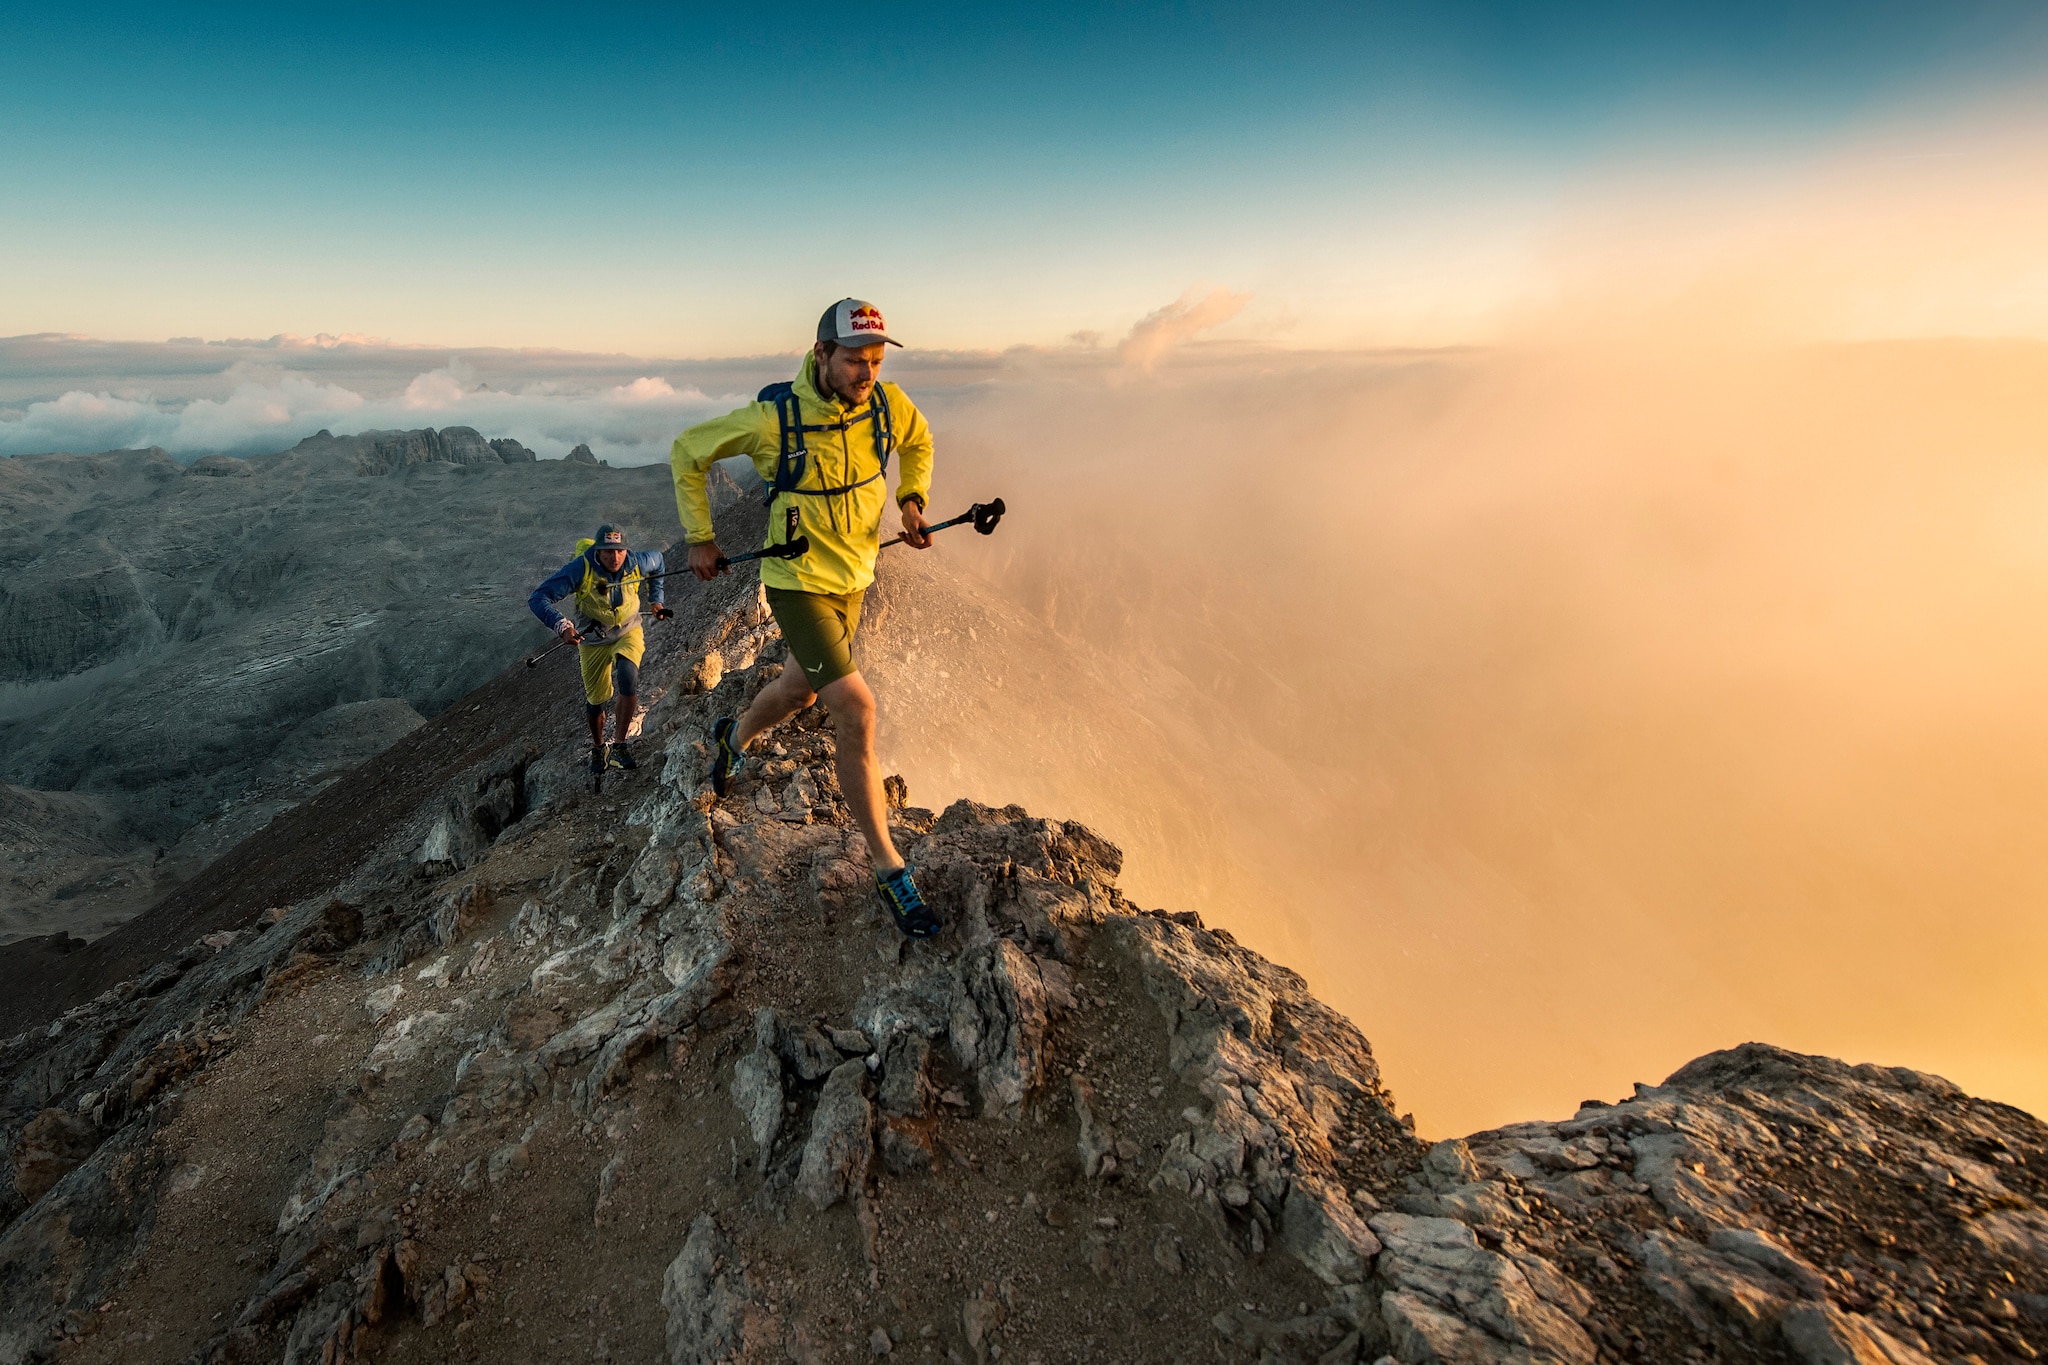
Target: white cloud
column 85, row 421
column 269, row 409
column 1159, row 332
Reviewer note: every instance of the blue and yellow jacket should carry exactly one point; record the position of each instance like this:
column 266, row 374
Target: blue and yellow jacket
column 602, row 599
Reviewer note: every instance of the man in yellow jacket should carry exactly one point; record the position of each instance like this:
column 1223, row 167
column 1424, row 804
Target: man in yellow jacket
column 605, row 579
column 822, row 444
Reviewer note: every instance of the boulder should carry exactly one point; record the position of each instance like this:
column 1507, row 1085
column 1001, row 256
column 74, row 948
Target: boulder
column 52, row 1145
column 706, row 1304
column 841, row 1144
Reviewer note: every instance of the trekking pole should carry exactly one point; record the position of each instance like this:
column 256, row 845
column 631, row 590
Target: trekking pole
column 795, row 549
column 581, row 638
column 533, row 659
column 984, row 516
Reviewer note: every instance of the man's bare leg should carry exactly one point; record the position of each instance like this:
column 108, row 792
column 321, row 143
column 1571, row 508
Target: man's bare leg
column 852, row 708
column 782, row 698
column 596, row 715
column 622, row 722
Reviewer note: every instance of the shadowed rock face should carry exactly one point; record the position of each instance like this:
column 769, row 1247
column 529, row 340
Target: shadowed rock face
column 183, row 645
column 649, row 1068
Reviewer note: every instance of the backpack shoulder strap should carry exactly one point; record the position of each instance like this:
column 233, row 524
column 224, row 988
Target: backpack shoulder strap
column 790, row 453
column 885, row 425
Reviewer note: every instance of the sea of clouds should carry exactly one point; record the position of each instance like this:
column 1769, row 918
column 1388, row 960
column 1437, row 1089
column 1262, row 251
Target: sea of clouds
column 265, row 407
column 194, row 397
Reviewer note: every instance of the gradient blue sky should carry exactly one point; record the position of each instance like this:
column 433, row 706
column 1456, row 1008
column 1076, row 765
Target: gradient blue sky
column 685, row 181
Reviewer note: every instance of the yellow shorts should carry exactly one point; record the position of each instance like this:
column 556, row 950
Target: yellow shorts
column 601, row 663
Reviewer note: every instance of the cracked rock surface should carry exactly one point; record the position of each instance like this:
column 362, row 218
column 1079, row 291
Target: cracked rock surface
column 646, row 1075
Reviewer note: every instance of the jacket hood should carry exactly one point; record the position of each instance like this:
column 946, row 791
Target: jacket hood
column 810, row 390
column 806, row 383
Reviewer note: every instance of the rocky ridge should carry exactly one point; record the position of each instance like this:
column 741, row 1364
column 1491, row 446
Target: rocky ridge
column 549, row 1073
column 387, row 452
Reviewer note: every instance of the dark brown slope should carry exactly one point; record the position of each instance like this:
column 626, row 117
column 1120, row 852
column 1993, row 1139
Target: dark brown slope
column 296, row 854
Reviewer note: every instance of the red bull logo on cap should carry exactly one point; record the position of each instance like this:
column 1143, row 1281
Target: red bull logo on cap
column 854, row 322
column 614, row 538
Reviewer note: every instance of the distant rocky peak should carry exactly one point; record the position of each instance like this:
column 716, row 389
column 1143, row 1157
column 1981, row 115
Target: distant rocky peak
column 381, row 452
column 582, row 455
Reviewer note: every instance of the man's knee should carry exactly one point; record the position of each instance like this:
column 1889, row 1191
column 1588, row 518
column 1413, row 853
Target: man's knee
column 851, row 704
column 791, row 690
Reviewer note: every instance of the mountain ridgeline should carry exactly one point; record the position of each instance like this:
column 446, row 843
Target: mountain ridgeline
column 461, row 1058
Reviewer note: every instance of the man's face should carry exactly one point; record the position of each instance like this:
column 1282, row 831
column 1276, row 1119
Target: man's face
column 611, row 561
column 851, row 371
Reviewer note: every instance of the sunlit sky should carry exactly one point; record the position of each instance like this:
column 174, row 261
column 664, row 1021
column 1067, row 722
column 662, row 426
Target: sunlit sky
column 680, row 180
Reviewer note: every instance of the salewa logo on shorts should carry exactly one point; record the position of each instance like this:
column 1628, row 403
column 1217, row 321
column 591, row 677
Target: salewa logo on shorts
column 864, row 320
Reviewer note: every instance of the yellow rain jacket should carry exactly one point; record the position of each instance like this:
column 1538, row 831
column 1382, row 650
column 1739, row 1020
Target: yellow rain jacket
column 845, row 528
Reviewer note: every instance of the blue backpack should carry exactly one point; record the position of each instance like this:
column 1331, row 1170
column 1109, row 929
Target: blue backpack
column 792, row 456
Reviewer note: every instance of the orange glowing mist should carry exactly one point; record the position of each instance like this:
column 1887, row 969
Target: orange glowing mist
column 1656, row 680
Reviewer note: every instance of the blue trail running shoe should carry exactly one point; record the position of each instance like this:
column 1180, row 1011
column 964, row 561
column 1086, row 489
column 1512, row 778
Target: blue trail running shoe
column 622, row 757
column 726, row 758
column 905, row 906
column 600, row 757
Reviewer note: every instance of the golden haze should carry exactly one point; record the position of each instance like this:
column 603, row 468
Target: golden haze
column 1567, row 710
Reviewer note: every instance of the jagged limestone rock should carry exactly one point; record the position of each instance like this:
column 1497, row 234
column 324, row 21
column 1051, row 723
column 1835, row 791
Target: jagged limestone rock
column 999, row 1020
column 1821, row 1334
column 757, row 1088
column 904, row 1090
column 1096, row 1139
column 1440, row 1262
column 1319, row 1227
column 841, row 1144
column 64, row 1252
column 1449, row 1165
column 807, row 1052
column 52, row 1145
column 706, row 1302
column 905, row 1145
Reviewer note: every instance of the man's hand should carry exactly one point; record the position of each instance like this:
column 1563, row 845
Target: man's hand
column 567, row 630
column 704, row 561
column 661, row 612
column 913, row 526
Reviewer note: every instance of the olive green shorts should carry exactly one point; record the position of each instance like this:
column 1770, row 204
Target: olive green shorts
column 818, row 627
